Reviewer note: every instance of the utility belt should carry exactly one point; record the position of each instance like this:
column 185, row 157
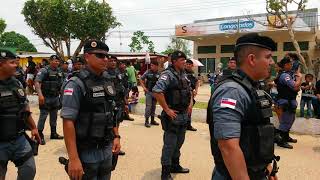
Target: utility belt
column 173, row 125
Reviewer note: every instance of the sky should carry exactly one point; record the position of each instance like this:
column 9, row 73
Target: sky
column 156, row 17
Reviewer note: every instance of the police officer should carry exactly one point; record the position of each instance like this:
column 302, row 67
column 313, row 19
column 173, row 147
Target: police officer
column 239, row 115
column 173, row 92
column 91, row 134
column 48, row 84
column 148, row 80
column 20, row 75
column 119, row 82
column 288, row 86
column 77, row 65
column 231, row 67
column 195, row 83
column 125, row 82
column 64, row 69
column 15, row 117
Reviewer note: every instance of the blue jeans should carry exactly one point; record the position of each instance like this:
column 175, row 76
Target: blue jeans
column 303, row 102
column 14, row 150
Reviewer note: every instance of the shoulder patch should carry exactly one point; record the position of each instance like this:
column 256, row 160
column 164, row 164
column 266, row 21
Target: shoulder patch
column 287, row 78
column 68, row 92
column 164, row 77
column 228, row 103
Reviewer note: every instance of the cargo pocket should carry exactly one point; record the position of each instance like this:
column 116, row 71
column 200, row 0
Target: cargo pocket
column 82, row 125
column 99, row 122
column 266, row 142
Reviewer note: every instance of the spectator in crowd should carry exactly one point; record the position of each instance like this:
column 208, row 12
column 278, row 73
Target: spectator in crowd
column 132, row 75
column 307, row 88
column 316, row 100
column 134, row 98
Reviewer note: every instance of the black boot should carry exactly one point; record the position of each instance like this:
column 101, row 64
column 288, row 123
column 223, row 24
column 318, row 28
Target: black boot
column 176, row 168
column 284, row 140
column 54, row 134
column 190, row 128
column 127, row 117
column 165, row 173
column 43, row 142
column 277, row 136
column 147, row 124
column 122, row 153
column 291, row 140
column 153, row 122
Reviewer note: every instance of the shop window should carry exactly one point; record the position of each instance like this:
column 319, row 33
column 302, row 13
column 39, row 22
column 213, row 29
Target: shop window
column 288, row 46
column 227, row 48
column 206, row 49
column 208, row 65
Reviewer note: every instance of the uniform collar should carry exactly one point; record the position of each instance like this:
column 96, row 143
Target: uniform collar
column 243, row 75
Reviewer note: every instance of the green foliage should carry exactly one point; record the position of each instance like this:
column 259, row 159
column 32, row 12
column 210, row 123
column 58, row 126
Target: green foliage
column 138, row 40
column 58, row 21
column 178, row 44
column 3, row 26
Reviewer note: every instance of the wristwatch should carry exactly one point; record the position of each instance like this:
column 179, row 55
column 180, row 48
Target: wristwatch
column 117, row 136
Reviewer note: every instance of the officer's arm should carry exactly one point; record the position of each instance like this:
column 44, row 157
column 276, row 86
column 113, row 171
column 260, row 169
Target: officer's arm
column 37, row 85
column 197, row 86
column 30, row 122
column 142, row 82
column 161, row 100
column 70, row 139
column 38, row 81
column 298, row 81
column 233, row 158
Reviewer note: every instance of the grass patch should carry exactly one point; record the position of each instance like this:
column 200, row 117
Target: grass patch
column 199, row 105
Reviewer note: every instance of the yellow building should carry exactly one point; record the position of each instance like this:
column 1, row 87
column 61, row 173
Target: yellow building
column 214, row 39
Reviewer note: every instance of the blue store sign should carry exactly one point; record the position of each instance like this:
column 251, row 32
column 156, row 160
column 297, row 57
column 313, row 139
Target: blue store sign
column 234, row 25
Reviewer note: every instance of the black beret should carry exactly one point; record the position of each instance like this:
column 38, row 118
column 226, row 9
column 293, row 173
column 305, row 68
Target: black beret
column 54, row 57
column 254, row 39
column 189, row 61
column 178, row 54
column 6, row 54
column 64, row 62
column 232, row 59
column 284, row 61
column 92, row 45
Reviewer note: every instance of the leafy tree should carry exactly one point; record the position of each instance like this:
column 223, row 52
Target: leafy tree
column 17, row 41
column 139, row 40
column 178, row 44
column 57, row 22
column 3, row 26
column 279, row 9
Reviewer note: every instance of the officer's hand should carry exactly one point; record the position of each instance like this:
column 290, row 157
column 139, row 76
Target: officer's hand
column 171, row 113
column 41, row 100
column 126, row 108
column 145, row 90
column 273, row 177
column 194, row 93
column 116, row 146
column 35, row 135
column 75, row 170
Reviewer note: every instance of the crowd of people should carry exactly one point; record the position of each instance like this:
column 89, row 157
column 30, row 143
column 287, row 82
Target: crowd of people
column 94, row 98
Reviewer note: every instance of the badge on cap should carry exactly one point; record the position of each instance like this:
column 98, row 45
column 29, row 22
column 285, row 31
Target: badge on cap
column 21, row 92
column 3, row 54
column 94, row 44
column 179, row 54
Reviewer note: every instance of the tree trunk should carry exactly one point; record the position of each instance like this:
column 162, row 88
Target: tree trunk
column 68, row 46
column 306, row 65
column 78, row 50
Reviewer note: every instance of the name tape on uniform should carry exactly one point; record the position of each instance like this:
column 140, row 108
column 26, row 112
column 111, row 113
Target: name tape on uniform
column 228, row 103
column 68, row 92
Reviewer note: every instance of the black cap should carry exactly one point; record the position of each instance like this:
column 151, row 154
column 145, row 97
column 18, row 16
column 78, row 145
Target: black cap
column 189, row 61
column 232, row 59
column 64, row 62
column 92, row 45
column 178, row 54
column 284, row 61
column 112, row 57
column 254, row 39
column 78, row 59
column 6, row 54
column 53, row 57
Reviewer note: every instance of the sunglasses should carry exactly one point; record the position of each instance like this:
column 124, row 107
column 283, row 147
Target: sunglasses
column 100, row 55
